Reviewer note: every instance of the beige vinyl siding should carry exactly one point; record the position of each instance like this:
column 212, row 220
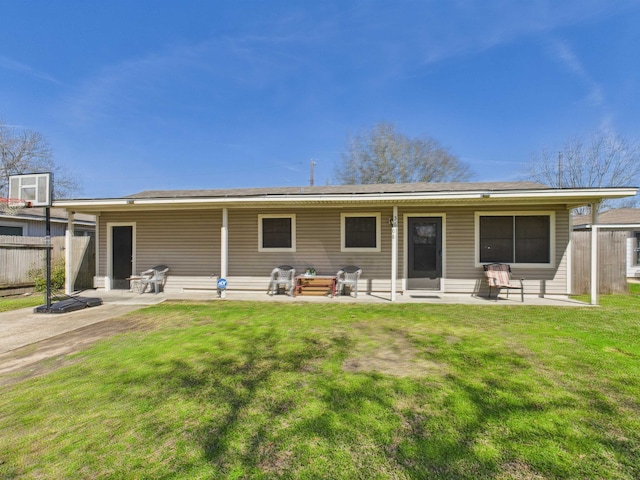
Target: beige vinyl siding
column 39, row 229
column 35, row 228
column 317, row 246
column 189, row 243
column 461, row 274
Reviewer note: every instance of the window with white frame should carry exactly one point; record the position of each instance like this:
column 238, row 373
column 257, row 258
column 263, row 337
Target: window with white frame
column 277, row 233
column 517, row 238
column 360, row 232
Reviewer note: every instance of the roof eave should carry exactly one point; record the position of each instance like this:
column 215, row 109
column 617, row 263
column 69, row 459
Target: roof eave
column 575, row 197
column 608, row 226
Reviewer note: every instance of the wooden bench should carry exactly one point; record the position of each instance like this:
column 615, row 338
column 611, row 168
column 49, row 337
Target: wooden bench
column 315, row 285
column 499, row 276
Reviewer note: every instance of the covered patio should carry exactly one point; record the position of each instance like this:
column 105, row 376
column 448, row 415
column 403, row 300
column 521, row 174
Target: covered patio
column 419, row 242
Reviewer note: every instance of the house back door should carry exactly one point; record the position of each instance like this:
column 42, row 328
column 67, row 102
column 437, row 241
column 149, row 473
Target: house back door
column 122, row 255
column 424, row 253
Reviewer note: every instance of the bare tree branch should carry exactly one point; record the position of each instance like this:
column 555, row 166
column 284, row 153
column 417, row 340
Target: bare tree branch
column 26, row 151
column 383, row 155
column 600, row 160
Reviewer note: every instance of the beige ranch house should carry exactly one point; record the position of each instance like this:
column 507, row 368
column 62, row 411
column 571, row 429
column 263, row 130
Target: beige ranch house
column 419, row 236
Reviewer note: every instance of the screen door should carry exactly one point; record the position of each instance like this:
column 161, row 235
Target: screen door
column 424, row 253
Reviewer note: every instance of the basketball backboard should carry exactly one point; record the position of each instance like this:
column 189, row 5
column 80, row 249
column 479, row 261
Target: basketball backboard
column 34, row 188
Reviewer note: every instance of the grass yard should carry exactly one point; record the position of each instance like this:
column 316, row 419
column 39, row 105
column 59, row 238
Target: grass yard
column 21, row 301
column 309, row 391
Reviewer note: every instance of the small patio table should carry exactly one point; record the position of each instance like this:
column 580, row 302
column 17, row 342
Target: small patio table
column 315, row 285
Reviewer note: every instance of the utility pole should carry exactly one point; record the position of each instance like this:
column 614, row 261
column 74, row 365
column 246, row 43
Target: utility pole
column 313, row 164
column 559, row 169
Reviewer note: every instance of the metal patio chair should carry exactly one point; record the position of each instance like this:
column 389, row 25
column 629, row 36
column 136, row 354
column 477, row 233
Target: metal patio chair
column 499, row 276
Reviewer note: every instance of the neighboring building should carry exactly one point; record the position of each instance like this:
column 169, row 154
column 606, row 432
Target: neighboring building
column 30, row 222
column 621, row 219
column 419, row 236
column 19, row 255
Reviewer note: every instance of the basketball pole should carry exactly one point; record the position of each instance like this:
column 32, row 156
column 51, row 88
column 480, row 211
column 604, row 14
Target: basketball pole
column 47, row 212
column 36, row 189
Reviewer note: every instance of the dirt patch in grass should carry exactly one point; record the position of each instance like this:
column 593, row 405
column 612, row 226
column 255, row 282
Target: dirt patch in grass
column 390, row 352
column 48, row 355
column 518, row 470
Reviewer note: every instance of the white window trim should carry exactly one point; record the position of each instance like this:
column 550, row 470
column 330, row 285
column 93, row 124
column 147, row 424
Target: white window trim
column 134, row 267
column 344, row 248
column 515, row 213
column 292, row 216
column 405, row 247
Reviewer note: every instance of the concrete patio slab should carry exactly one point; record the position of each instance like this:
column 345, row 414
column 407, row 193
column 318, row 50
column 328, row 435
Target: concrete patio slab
column 412, row 296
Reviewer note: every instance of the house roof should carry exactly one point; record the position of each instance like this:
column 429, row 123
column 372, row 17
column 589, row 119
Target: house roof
column 343, row 189
column 58, row 215
column 616, row 216
column 444, row 194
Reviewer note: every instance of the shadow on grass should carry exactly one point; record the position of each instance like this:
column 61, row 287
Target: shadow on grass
column 507, row 421
column 465, row 433
column 285, row 408
column 239, row 386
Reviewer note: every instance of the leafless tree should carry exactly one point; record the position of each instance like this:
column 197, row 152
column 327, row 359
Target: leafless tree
column 26, row 151
column 599, row 160
column 382, row 155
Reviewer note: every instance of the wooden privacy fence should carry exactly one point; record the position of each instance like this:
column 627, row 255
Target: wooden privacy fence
column 20, row 255
column 612, row 255
column 84, row 262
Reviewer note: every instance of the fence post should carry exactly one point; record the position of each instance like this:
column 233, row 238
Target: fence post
column 594, row 254
column 68, row 255
column 68, row 248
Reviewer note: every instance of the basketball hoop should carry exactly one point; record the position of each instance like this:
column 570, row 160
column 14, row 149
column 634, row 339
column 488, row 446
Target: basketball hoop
column 11, row 206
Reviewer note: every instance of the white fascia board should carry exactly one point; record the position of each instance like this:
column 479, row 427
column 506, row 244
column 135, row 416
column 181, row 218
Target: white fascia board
column 309, row 198
column 608, row 226
column 595, row 193
column 91, row 203
column 33, row 218
column 66, row 221
column 69, row 204
column 558, row 194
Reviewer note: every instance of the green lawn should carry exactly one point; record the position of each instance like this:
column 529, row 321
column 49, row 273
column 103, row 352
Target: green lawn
column 21, row 301
column 308, row 391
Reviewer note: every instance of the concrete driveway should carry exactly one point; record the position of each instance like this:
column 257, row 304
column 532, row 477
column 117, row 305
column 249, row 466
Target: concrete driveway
column 19, row 328
column 33, row 344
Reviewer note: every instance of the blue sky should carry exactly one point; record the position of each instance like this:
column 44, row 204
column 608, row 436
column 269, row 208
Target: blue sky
column 137, row 95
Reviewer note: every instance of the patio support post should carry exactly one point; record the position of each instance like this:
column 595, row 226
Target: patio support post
column 594, row 254
column 394, row 252
column 68, row 254
column 570, row 256
column 224, row 247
